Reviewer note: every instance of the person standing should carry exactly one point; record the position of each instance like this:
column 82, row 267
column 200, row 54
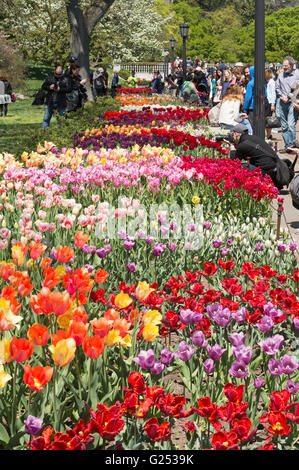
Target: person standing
column 57, row 85
column 132, row 80
column 98, row 83
column 286, row 111
column 5, row 94
column 114, row 84
column 78, row 94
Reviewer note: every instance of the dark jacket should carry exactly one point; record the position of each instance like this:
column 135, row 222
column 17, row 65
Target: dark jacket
column 7, row 88
column 258, row 157
column 54, row 96
column 77, row 94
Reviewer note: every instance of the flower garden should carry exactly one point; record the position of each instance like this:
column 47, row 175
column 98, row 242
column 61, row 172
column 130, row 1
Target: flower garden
column 146, row 302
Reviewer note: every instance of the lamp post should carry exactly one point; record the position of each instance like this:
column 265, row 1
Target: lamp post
column 166, row 52
column 259, row 71
column 184, row 33
column 172, row 45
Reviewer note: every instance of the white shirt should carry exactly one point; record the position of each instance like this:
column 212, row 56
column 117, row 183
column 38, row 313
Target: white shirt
column 229, row 112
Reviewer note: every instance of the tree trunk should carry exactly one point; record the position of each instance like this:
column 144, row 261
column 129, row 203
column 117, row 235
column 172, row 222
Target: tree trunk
column 82, row 25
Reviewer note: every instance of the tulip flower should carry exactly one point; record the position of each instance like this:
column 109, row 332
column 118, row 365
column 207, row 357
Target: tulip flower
column 37, row 377
column 63, row 352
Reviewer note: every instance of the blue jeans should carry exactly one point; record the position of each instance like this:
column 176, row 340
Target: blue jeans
column 288, row 118
column 49, row 113
column 246, row 123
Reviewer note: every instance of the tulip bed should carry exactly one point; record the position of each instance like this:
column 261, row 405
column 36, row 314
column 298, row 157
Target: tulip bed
column 145, row 300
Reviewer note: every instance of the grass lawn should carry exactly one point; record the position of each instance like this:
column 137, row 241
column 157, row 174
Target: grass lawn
column 22, row 116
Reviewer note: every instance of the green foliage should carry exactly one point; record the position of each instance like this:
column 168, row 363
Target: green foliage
column 62, row 133
column 281, row 36
column 124, row 73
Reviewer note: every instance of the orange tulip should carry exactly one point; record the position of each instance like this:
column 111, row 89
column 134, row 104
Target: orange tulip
column 36, row 249
column 38, row 334
column 93, row 346
column 78, row 331
column 58, row 336
column 101, row 326
column 20, row 280
column 64, row 254
column 78, row 282
column 81, row 239
column 48, row 302
column 51, row 278
column 111, row 314
column 37, row 377
column 21, row 349
column 45, row 263
column 100, row 276
column 7, row 270
column 123, row 326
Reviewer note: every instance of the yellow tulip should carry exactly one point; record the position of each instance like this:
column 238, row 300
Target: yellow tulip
column 5, row 351
column 63, row 352
column 150, row 332
column 112, row 338
column 152, row 316
column 143, row 290
column 126, row 341
column 8, row 319
column 196, row 200
column 60, row 271
column 122, row 300
column 3, row 377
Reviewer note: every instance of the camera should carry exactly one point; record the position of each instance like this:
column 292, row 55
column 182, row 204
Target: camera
column 222, row 137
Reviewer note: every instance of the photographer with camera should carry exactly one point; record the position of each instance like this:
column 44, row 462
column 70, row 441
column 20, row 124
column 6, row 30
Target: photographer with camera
column 260, row 154
column 57, row 85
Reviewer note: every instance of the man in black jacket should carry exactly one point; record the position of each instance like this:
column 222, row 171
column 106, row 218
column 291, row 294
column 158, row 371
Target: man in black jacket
column 252, row 147
column 57, row 85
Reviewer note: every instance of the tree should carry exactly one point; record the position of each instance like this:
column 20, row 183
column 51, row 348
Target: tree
column 83, row 16
column 130, row 31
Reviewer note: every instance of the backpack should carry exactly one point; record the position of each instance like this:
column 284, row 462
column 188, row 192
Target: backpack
column 39, row 97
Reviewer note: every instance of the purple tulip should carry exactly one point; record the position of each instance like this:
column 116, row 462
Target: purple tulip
column 224, row 252
column 229, row 243
column 101, row 253
column 173, row 226
column 222, row 316
column 172, row 246
column 166, row 356
column 282, row 248
column 129, row 244
column 158, row 249
column 157, row 368
column 217, row 243
column 131, row 267
column 243, row 354
column 259, row 246
column 33, row 425
column 292, row 246
column 272, row 345
column 258, row 383
column 209, row 366
column 265, row 324
column 141, row 233
column 145, row 359
column 215, row 352
column 271, row 311
column 274, row 366
column 292, row 387
column 238, row 369
column 149, row 240
column 240, row 315
column 296, row 323
column 198, row 339
column 185, row 351
column 237, row 339
column 288, row 364
column 207, row 225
